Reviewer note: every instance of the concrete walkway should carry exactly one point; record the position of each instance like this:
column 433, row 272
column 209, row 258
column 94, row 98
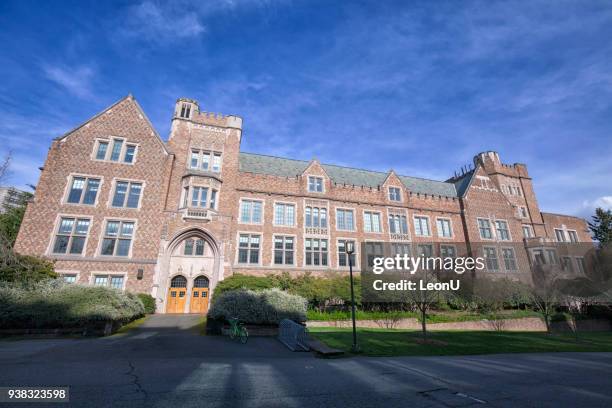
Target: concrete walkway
column 166, row 363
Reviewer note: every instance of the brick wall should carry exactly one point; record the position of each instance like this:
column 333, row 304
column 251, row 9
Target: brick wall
column 162, row 221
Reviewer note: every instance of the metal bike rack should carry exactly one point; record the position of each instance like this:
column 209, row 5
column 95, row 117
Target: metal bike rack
column 293, row 335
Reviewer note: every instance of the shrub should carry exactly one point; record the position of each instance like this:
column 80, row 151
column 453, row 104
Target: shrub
column 238, row 281
column 268, row 306
column 54, row 304
column 148, row 302
column 25, row 268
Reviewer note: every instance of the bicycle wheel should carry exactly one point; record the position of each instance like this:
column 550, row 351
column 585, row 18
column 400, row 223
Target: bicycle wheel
column 244, row 335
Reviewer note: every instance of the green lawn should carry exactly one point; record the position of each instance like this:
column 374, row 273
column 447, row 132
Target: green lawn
column 435, row 316
column 388, row 342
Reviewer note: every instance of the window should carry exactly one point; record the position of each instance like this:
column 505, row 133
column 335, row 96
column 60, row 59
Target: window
column 127, row 194
column 484, row 226
column 114, row 281
column 580, row 263
column 201, row 159
column 83, row 190
column 216, row 166
column 444, row 228
column 448, row 251
column 194, row 246
column 315, row 184
column 284, row 214
column 373, row 250
column 102, row 149
column 316, row 251
column 573, row 236
column 400, row 249
column 527, row 231
column 421, row 226
column 503, row 233
column 119, row 151
column 130, row 152
column 199, row 196
column 395, row 194
column 552, row 256
column 345, row 220
column 566, row 264
column 316, row 217
column 560, row 235
column 538, row 257
column 205, row 160
column 371, row 222
column 185, row 110
column 71, row 236
column 425, row 250
column 490, row 255
column 283, row 250
column 398, row 224
column 69, row 277
column 178, row 282
column 509, row 259
column 248, row 248
column 213, row 199
column 251, row 211
column 343, row 261
column 117, row 239
column 523, row 212
column 116, row 151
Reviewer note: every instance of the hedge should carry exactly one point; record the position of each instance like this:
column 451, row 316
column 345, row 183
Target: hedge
column 148, row 302
column 54, row 304
column 268, row 306
column 319, row 292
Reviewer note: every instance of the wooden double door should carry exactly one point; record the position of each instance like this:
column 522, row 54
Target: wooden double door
column 177, row 297
column 199, row 300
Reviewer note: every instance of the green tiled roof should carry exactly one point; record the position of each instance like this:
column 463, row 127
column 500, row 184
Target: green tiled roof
column 277, row 166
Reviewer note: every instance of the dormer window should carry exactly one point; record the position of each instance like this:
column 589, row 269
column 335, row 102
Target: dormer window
column 395, row 194
column 315, row 184
column 185, row 110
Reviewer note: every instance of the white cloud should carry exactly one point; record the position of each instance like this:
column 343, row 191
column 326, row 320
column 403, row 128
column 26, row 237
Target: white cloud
column 77, row 80
column 604, row 202
column 162, row 23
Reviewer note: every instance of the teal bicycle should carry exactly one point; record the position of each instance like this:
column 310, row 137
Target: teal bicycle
column 237, row 330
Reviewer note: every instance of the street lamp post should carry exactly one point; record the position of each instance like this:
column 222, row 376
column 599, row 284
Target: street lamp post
column 350, row 250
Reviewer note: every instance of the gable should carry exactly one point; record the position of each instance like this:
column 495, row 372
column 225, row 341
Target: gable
column 108, row 122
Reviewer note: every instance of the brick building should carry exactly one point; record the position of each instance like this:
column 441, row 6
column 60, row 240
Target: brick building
column 116, row 205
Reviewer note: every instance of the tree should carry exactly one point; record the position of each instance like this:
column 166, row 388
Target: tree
column 425, row 294
column 11, row 219
column 4, row 167
column 601, row 226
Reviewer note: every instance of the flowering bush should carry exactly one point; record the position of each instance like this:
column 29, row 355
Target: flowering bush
column 54, row 304
column 268, row 306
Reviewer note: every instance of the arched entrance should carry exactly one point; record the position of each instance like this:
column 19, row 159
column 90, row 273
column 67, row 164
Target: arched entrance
column 194, row 255
column 199, row 295
column 177, row 295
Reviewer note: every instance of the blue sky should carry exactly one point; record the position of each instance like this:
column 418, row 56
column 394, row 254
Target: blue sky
column 420, row 87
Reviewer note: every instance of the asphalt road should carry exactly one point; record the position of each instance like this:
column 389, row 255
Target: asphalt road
column 166, row 364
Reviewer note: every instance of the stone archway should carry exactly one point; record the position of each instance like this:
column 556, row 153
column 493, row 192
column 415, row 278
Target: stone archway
column 195, row 255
